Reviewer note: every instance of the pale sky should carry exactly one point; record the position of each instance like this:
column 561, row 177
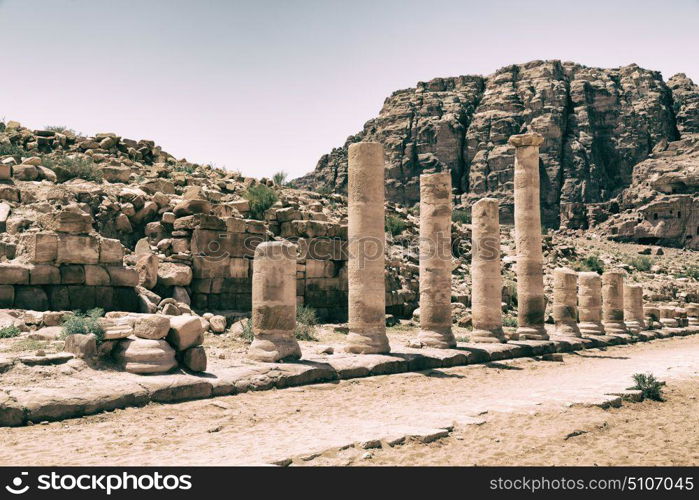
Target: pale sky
column 261, row 86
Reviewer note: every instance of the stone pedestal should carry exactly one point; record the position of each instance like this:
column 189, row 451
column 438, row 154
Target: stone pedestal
column 365, row 268
column 590, row 304
column 565, row 302
column 633, row 307
column 692, row 314
column 531, row 303
column 651, row 316
column 486, row 272
column 435, row 261
column 274, row 302
column 667, row 317
column 613, row 302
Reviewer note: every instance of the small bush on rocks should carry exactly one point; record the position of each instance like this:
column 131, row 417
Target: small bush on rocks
column 246, row 333
column 261, row 198
column 306, row 321
column 395, row 225
column 509, row 321
column 9, row 332
column 461, row 216
column 279, row 178
column 591, row 263
column 650, row 387
column 641, row 263
column 78, row 167
column 85, row 323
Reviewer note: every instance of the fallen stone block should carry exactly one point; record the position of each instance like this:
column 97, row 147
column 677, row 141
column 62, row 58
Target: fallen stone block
column 82, row 346
column 194, row 359
column 185, row 332
column 152, row 326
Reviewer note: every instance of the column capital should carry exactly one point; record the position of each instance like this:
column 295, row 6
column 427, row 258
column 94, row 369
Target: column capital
column 531, row 139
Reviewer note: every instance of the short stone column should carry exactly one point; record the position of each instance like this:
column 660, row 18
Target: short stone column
column 590, row 304
column 274, row 302
column 435, row 261
column 531, row 304
column 486, row 272
column 613, row 302
column 692, row 314
column 681, row 316
column 667, row 317
column 565, row 302
column 651, row 315
column 633, row 307
column 366, row 265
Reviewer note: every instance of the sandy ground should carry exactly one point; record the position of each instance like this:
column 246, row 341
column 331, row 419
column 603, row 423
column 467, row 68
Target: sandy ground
column 512, row 412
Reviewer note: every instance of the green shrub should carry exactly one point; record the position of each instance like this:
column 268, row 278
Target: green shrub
column 85, row 323
column 510, row 297
column 650, row 387
column 9, row 331
column 509, row 321
column 692, row 272
column 461, row 216
column 184, row 167
column 395, row 225
column 246, row 333
column 641, row 263
column 9, row 149
column 590, row 263
column 261, row 198
column 325, row 190
column 78, row 167
column 306, row 321
column 279, row 178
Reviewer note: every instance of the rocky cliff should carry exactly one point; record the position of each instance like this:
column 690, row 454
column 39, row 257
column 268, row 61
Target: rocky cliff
column 598, row 125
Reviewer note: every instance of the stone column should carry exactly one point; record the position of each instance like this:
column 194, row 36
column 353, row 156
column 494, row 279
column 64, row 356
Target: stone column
column 365, row 269
column 692, row 314
column 633, row 307
column 274, row 302
column 613, row 302
column 435, row 261
column 486, row 272
column 565, row 302
column 531, row 303
column 590, row 304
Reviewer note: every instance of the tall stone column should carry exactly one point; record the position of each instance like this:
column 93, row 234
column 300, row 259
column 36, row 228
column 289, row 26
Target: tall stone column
column 274, row 302
column 531, row 303
column 633, row 307
column 486, row 272
column 435, row 261
column 590, row 304
column 365, row 269
column 565, row 302
column 613, row 302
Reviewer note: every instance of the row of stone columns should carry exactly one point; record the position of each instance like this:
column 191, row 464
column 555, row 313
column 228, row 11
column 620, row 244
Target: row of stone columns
column 601, row 304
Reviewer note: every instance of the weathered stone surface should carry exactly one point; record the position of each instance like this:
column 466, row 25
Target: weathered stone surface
column 194, row 359
column 171, row 274
column 75, row 249
column 14, row 274
column 565, row 302
column 185, row 332
column 123, row 276
column 145, row 356
column 147, row 267
column 152, row 327
column 82, row 346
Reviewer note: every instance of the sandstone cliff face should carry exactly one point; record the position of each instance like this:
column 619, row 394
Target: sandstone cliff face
column 597, row 123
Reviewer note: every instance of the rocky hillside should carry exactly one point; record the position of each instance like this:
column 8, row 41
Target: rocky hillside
column 598, row 125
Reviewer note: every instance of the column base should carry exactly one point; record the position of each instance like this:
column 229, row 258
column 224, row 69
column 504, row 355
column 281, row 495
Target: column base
column 270, row 349
column 481, row 336
column 692, row 321
column 531, row 333
column 437, row 339
column 568, row 330
column 669, row 323
column 615, row 327
column 634, row 326
column 367, row 343
column 587, row 329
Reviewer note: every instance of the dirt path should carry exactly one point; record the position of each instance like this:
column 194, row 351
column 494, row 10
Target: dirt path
column 519, row 400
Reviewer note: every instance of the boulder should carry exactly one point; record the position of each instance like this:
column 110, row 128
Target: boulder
column 185, row 332
column 217, row 324
column 145, row 356
column 152, row 326
column 82, row 346
column 147, row 267
column 194, row 359
column 172, row 274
